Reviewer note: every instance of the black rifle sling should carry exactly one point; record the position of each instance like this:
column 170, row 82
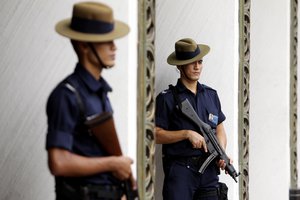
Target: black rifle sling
column 176, row 96
column 71, row 87
column 79, row 100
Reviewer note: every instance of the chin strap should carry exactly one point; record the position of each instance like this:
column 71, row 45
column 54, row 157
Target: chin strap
column 97, row 56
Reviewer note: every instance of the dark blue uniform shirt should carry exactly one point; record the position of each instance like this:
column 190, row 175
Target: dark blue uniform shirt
column 206, row 103
column 65, row 119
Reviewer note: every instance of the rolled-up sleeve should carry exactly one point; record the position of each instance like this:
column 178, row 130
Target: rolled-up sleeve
column 221, row 116
column 161, row 112
column 62, row 113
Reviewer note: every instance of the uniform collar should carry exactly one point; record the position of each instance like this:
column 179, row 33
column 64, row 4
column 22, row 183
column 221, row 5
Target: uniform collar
column 182, row 88
column 90, row 81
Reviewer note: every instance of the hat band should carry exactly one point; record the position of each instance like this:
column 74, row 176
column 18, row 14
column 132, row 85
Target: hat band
column 91, row 26
column 180, row 55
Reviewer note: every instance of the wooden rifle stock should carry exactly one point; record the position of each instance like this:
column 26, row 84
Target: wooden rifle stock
column 102, row 126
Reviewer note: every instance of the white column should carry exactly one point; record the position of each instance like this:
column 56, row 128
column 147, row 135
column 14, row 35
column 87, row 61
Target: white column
column 269, row 164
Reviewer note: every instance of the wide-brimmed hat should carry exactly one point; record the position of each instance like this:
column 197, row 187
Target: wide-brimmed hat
column 187, row 51
column 92, row 22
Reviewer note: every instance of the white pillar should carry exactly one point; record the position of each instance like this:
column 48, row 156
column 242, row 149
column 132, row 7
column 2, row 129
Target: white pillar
column 269, row 100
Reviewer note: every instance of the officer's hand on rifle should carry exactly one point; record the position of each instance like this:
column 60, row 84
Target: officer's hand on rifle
column 197, row 140
column 133, row 182
column 122, row 167
column 221, row 164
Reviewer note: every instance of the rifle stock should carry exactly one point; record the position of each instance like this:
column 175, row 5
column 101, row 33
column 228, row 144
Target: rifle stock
column 102, row 126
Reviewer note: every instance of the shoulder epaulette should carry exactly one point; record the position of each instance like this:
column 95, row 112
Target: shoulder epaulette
column 167, row 90
column 207, row 87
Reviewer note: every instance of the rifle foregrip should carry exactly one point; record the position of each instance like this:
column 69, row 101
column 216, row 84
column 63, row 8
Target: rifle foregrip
column 231, row 171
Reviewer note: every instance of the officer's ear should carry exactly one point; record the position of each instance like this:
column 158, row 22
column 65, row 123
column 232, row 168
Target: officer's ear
column 83, row 46
column 180, row 67
column 79, row 47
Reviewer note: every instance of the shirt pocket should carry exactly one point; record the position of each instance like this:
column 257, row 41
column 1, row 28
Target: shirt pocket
column 212, row 117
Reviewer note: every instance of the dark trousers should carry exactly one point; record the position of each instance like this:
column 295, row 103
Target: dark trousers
column 183, row 181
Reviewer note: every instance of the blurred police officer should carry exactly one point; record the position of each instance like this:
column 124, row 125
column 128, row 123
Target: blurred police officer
column 81, row 167
column 184, row 149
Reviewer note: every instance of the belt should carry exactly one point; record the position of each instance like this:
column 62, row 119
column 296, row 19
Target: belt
column 195, row 161
column 77, row 192
column 103, row 191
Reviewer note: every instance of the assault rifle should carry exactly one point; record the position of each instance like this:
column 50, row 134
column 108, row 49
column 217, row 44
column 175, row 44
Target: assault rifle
column 103, row 128
column 213, row 146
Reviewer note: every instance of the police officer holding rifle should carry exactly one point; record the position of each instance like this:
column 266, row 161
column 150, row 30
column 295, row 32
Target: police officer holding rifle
column 83, row 168
column 188, row 173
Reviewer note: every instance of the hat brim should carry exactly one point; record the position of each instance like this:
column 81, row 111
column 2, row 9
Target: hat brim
column 172, row 60
column 63, row 27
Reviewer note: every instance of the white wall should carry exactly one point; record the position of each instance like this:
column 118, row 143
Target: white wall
column 210, row 22
column 269, row 100
column 33, row 59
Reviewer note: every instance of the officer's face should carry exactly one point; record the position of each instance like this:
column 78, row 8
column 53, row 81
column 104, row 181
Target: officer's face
column 193, row 70
column 106, row 52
